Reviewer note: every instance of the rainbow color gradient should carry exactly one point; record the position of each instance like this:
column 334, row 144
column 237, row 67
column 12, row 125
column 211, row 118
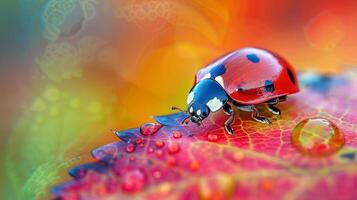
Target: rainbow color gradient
column 71, row 70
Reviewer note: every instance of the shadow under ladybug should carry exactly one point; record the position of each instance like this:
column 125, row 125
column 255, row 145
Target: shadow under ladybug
column 243, row 78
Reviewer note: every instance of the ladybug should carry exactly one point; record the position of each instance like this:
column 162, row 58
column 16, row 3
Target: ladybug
column 243, row 79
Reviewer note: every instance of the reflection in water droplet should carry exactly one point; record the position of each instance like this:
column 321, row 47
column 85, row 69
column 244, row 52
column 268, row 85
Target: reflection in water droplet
column 173, row 148
column 150, row 128
column 177, row 134
column 317, row 137
column 130, row 148
column 133, row 180
column 212, row 137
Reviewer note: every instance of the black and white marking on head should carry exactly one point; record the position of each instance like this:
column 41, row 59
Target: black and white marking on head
column 291, row 75
column 269, row 86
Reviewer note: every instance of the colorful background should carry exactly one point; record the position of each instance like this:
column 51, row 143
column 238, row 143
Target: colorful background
column 71, row 70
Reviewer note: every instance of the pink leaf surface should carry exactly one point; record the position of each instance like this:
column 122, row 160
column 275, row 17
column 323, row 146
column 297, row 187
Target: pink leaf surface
column 175, row 161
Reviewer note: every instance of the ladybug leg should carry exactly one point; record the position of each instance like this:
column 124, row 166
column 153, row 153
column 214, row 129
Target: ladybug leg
column 229, row 111
column 271, row 107
column 255, row 113
column 256, row 116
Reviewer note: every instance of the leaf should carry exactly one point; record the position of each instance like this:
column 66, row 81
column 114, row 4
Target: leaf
column 258, row 161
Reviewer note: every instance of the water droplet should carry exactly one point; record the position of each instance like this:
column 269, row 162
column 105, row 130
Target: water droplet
column 317, row 137
column 139, row 141
column 150, row 128
column 156, row 174
column 159, row 152
column 267, row 185
column 130, row 148
column 150, row 150
column 212, row 137
column 132, row 158
column 238, row 156
column 194, row 165
column 177, row 134
column 173, row 148
column 159, row 144
column 171, row 161
column 133, row 180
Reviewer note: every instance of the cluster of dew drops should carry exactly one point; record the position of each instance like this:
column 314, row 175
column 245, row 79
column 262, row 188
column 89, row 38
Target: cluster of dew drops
column 312, row 137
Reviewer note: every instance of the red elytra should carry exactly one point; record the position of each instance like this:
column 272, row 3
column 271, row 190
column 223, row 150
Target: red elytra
column 247, row 69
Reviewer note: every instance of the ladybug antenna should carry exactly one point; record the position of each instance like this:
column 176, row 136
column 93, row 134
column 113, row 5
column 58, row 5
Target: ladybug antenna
column 177, row 108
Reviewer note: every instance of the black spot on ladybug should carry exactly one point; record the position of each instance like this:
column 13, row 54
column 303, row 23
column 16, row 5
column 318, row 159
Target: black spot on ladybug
column 269, row 86
column 253, row 58
column 291, row 75
column 217, row 71
column 350, row 156
column 240, row 89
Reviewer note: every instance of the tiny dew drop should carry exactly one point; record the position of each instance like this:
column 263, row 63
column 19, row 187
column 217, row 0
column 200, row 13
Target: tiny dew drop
column 157, row 174
column 133, row 180
column 194, row 165
column 177, row 134
column 173, row 148
column 159, row 152
column 159, row 143
column 212, row 137
column 130, row 148
column 139, row 141
column 317, row 137
column 150, row 128
column 150, row 150
column 171, row 161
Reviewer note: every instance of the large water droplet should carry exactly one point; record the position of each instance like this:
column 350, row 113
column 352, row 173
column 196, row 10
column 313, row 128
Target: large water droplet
column 133, row 180
column 317, row 137
column 150, row 128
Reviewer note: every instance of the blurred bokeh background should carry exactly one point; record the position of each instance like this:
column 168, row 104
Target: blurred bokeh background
column 71, row 70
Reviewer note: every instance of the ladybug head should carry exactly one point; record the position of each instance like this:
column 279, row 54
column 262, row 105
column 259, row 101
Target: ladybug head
column 198, row 112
